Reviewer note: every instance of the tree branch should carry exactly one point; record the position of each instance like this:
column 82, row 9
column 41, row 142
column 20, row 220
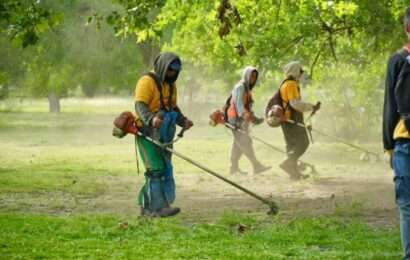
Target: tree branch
column 315, row 60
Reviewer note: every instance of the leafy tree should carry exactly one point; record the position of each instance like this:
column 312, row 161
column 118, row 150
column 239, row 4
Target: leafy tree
column 25, row 20
column 74, row 54
column 330, row 37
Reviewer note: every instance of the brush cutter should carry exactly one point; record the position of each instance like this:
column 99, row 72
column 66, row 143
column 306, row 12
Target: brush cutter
column 339, row 140
column 275, row 116
column 125, row 124
column 217, row 117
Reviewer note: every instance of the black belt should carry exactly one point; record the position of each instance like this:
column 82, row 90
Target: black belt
column 403, row 140
column 154, row 175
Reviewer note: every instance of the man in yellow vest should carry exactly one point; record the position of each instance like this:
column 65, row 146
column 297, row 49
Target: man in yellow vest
column 157, row 116
column 396, row 130
column 296, row 137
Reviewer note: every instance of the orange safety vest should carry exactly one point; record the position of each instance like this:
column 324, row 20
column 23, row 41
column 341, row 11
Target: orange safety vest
column 247, row 101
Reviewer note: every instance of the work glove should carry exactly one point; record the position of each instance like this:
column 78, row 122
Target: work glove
column 258, row 120
column 388, row 157
column 188, row 124
column 248, row 116
column 157, row 120
column 316, row 107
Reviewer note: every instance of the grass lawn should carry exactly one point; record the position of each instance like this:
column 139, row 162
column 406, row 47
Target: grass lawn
column 68, row 189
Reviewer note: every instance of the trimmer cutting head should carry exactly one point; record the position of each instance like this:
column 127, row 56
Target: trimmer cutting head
column 273, row 210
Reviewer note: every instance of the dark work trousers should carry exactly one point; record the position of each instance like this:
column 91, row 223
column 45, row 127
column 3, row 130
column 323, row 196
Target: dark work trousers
column 296, row 139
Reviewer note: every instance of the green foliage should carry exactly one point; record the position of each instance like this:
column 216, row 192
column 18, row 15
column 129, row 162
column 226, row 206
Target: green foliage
column 215, row 39
column 136, row 18
column 234, row 33
column 352, row 98
column 344, row 48
column 44, row 77
column 24, row 21
column 11, row 66
column 73, row 55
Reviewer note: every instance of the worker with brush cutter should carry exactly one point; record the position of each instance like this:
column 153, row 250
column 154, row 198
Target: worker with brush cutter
column 126, row 123
column 238, row 111
column 286, row 106
column 157, row 116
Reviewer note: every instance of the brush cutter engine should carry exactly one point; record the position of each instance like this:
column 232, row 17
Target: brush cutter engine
column 125, row 124
column 217, row 117
column 275, row 116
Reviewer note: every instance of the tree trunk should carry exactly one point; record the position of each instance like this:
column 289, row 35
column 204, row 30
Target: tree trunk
column 54, row 102
column 150, row 50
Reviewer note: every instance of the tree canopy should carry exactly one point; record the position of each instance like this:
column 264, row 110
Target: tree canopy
column 101, row 47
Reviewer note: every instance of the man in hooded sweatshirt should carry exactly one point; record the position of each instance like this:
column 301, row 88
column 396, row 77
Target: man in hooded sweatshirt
column 296, row 137
column 157, row 117
column 240, row 115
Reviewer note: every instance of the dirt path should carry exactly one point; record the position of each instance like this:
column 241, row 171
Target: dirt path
column 203, row 197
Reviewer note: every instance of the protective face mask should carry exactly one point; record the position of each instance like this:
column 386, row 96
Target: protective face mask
column 171, row 80
column 251, row 86
column 304, row 78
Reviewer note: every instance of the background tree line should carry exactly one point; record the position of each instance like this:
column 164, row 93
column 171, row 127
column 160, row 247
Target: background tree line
column 56, row 49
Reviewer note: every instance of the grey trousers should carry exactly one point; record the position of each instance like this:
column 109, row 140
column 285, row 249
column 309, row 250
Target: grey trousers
column 242, row 145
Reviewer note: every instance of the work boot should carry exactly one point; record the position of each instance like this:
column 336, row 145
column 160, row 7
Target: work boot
column 148, row 213
column 259, row 168
column 299, row 176
column 290, row 167
column 301, row 166
column 235, row 170
column 168, row 212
